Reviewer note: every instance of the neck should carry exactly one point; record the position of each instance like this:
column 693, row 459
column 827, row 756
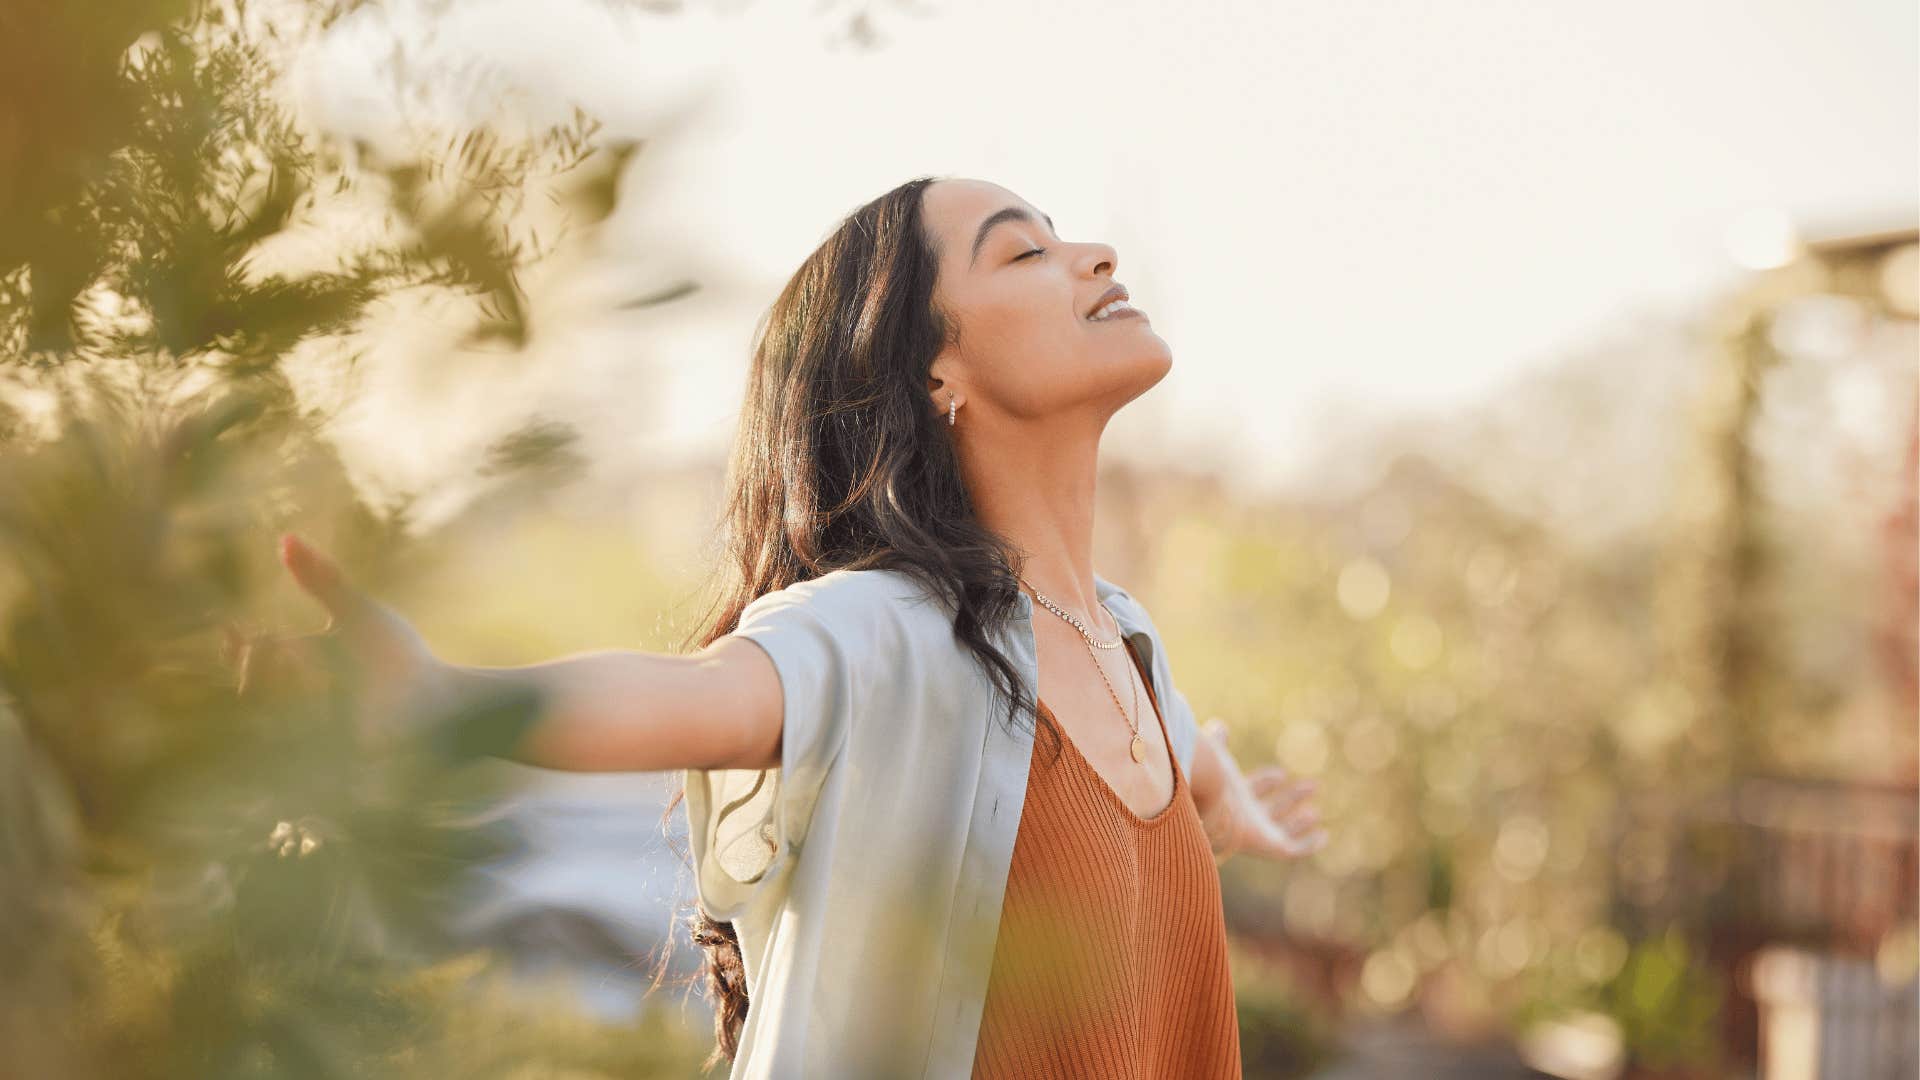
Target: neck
column 1035, row 488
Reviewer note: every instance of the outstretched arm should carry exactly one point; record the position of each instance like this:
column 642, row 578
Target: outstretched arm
column 612, row 710
column 621, row 710
column 1266, row 812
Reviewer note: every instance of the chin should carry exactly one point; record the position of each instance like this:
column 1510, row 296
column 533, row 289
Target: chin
column 1148, row 350
column 1160, row 359
column 1145, row 370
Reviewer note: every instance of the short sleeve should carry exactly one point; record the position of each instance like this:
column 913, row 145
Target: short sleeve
column 745, row 826
column 1182, row 728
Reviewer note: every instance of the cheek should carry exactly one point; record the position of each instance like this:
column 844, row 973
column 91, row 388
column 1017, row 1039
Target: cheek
column 1024, row 351
column 1032, row 357
column 1025, row 328
column 1049, row 383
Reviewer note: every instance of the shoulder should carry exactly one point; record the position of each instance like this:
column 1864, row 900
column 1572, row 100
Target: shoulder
column 848, row 590
column 1124, row 604
column 877, row 601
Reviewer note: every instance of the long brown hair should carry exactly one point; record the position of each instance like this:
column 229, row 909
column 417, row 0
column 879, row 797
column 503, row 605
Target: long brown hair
column 841, row 463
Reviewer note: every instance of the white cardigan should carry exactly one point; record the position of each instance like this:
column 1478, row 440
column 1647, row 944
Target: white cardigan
column 865, row 875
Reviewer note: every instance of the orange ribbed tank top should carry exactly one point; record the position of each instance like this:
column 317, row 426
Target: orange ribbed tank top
column 1112, row 955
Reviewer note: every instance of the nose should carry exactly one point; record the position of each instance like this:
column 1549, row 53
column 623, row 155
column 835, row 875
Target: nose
column 1103, row 258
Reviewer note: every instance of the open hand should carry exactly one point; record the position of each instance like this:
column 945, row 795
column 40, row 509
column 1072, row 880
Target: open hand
column 1267, row 812
column 377, row 650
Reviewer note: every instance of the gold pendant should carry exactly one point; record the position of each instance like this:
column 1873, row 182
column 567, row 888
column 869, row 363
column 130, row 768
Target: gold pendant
column 1139, row 748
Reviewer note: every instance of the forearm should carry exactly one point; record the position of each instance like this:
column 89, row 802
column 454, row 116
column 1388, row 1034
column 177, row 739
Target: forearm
column 1209, row 784
column 610, row 710
column 1263, row 812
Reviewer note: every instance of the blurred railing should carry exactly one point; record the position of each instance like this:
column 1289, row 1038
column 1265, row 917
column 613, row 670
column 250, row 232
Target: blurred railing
column 1814, row 923
column 1834, row 1016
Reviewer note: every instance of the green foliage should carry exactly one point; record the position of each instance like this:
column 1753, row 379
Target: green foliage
column 252, row 881
column 140, row 238
column 1667, row 1004
column 1281, row 1035
column 199, row 875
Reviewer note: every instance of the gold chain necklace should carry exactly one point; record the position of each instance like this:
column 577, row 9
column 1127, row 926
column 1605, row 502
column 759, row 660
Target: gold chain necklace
column 1138, row 747
column 1077, row 624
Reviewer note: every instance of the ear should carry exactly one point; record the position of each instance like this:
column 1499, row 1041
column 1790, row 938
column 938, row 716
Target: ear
column 940, row 384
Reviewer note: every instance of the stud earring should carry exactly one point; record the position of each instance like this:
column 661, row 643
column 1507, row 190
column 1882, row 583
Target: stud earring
column 952, row 408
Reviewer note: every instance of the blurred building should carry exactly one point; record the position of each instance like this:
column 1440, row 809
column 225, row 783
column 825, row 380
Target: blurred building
column 1816, row 919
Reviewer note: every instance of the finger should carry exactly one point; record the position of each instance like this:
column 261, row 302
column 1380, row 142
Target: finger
column 1286, row 796
column 1300, row 821
column 1292, row 836
column 320, row 577
column 1306, row 845
column 1292, row 816
column 1296, row 841
column 1268, row 779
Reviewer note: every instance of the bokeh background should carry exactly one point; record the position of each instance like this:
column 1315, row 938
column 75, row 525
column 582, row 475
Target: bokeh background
column 1537, row 470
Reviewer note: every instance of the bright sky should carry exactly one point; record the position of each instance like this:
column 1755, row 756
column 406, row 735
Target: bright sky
column 1326, row 208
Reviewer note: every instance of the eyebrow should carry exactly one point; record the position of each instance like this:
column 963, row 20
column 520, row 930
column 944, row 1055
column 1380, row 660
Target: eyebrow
column 1011, row 213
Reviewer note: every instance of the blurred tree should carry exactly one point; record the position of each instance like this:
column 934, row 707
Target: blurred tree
column 199, row 878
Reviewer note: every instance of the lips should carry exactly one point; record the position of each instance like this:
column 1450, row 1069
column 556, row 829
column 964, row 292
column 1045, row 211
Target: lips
column 1118, row 292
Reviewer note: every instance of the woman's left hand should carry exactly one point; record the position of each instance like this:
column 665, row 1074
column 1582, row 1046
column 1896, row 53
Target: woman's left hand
column 1268, row 812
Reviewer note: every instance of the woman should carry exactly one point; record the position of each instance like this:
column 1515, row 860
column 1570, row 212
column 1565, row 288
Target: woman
column 944, row 824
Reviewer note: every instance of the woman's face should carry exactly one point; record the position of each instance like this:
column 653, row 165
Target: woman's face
column 1022, row 297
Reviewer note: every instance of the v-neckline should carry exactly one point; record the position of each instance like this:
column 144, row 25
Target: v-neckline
column 1173, row 762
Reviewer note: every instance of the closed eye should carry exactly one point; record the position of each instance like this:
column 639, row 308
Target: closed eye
column 1024, row 254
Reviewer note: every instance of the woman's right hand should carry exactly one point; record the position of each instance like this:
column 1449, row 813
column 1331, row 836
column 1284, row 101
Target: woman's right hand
column 395, row 674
